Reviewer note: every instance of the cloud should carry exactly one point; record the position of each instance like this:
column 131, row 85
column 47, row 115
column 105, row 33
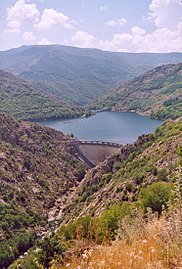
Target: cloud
column 29, row 36
column 138, row 31
column 161, row 40
column 119, row 42
column 83, row 39
column 120, row 22
column 66, row 41
column 165, row 13
column 51, row 17
column 45, row 41
column 21, row 12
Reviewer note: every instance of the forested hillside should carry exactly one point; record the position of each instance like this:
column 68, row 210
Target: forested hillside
column 25, row 101
column 79, row 75
column 157, row 93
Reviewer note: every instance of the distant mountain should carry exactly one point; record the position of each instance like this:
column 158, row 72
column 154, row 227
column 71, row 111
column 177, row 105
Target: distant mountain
column 157, row 93
column 79, row 75
column 23, row 100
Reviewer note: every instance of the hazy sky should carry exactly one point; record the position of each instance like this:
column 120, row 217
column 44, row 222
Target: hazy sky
column 116, row 25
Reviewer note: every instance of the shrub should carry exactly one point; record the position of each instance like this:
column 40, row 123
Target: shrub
column 49, row 247
column 155, row 196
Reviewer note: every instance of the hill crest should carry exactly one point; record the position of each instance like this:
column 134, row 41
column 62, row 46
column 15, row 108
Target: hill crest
column 79, row 75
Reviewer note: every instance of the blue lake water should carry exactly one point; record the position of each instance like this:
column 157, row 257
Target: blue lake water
column 121, row 127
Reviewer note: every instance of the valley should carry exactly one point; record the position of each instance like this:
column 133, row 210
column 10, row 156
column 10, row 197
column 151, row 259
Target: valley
column 41, row 178
column 90, row 134
column 74, row 187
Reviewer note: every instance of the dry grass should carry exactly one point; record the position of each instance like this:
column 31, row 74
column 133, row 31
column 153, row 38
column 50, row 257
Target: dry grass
column 150, row 248
column 141, row 254
column 142, row 243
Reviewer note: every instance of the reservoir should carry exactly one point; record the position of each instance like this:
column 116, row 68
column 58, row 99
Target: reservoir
column 120, row 127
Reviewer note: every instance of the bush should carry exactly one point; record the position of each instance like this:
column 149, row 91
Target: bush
column 49, row 247
column 155, row 196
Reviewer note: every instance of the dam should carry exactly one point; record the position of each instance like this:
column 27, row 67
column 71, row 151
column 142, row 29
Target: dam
column 93, row 152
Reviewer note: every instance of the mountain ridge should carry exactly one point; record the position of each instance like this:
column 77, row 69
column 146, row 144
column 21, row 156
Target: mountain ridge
column 78, row 75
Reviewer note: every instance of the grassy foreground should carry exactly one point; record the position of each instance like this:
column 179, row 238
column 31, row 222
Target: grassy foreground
column 142, row 241
column 153, row 243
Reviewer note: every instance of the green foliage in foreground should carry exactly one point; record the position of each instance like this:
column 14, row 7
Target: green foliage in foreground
column 99, row 230
column 17, row 231
column 13, row 249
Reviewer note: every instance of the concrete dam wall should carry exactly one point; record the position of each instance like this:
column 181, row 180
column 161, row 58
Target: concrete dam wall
column 96, row 153
column 93, row 152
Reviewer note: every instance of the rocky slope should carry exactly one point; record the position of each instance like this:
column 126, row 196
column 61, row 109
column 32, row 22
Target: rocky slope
column 23, row 100
column 120, row 178
column 79, row 75
column 35, row 162
column 41, row 180
column 36, row 170
column 157, row 93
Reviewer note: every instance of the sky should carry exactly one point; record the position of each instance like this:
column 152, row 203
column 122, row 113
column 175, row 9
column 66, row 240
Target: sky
column 112, row 25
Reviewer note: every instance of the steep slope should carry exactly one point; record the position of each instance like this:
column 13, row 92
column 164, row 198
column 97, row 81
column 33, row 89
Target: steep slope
column 150, row 159
column 39, row 174
column 36, row 170
column 23, row 100
column 79, row 75
column 111, row 204
column 157, row 93
column 34, row 159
